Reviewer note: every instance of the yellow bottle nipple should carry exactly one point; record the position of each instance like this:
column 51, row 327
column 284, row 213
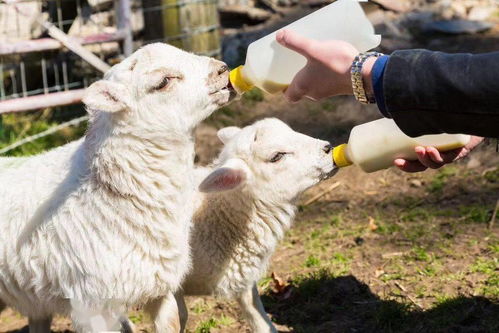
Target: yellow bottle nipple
column 238, row 81
column 340, row 158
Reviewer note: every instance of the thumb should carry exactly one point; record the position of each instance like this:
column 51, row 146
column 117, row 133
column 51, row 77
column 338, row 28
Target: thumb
column 297, row 88
column 295, row 42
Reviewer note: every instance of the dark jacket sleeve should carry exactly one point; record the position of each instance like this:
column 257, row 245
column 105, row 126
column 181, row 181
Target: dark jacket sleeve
column 429, row 92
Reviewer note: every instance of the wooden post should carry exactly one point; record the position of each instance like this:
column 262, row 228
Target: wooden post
column 192, row 25
column 123, row 15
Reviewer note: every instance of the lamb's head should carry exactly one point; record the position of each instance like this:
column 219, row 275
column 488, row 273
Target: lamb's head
column 271, row 160
column 162, row 87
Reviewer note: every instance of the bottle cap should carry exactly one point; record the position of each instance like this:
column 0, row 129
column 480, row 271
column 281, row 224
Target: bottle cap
column 239, row 83
column 340, row 157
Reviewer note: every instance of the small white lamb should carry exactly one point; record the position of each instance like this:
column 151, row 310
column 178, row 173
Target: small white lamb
column 249, row 204
column 100, row 224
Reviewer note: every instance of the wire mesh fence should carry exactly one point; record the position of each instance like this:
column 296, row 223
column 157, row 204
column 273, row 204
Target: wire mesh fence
column 34, row 64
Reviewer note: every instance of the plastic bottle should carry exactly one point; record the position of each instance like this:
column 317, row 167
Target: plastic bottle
column 271, row 66
column 375, row 145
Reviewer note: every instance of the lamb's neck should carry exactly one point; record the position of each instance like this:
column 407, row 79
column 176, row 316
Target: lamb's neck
column 151, row 168
column 243, row 211
column 277, row 215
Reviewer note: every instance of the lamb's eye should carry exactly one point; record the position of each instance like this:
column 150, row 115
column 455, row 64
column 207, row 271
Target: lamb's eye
column 277, row 157
column 163, row 83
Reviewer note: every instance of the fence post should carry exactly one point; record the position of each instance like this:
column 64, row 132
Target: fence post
column 192, row 25
column 123, row 24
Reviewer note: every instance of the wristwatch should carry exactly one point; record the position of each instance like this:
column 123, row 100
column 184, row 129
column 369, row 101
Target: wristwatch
column 357, row 82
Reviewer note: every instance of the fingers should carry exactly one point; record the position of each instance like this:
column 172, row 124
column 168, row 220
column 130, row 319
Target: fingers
column 429, row 157
column 296, row 91
column 409, row 166
column 453, row 155
column 295, row 42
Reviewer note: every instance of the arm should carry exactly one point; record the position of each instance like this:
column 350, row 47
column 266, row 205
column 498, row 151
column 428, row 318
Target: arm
column 424, row 92
column 433, row 92
column 327, row 73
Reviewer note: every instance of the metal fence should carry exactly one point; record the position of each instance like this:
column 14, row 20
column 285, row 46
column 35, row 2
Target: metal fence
column 50, row 50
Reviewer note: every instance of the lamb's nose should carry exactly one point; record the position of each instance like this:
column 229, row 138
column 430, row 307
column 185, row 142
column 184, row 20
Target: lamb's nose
column 222, row 69
column 327, row 148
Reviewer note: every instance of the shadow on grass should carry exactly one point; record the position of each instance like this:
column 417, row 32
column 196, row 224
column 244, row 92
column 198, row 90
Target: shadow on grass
column 323, row 303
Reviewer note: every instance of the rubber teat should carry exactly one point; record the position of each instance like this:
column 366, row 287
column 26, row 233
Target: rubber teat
column 340, row 158
column 238, row 81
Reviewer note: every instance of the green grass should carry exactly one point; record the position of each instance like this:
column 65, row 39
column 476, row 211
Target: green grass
column 416, row 214
column 440, row 179
column 391, row 315
column 485, row 266
column 14, row 127
column 335, row 220
column 137, row 317
column 199, row 307
column 492, row 176
column 475, row 213
column 253, row 96
column 312, row 261
column 207, row 325
column 491, row 287
column 420, row 254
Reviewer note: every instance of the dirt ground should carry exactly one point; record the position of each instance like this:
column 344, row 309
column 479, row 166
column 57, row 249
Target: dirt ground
column 382, row 252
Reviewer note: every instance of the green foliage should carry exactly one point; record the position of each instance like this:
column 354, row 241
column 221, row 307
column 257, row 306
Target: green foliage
column 486, row 266
column 475, row 213
column 387, row 228
column 491, row 287
column 390, row 277
column 492, row 176
column 416, row 214
column 421, row 254
column 310, row 285
column 438, row 182
column 253, row 96
column 336, row 220
column 137, row 317
column 199, row 307
column 14, row 127
column 207, row 325
column 391, row 315
column 312, row 261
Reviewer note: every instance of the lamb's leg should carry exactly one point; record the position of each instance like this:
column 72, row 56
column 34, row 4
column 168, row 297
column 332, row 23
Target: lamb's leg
column 164, row 313
column 98, row 317
column 126, row 325
column 253, row 310
column 183, row 313
column 39, row 325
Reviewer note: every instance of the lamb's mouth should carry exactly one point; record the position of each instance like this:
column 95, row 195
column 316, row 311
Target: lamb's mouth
column 327, row 175
column 227, row 90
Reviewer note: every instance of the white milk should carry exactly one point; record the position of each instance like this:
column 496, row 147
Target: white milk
column 375, row 145
column 271, row 67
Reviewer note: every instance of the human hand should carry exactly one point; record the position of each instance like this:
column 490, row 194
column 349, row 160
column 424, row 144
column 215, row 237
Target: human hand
column 430, row 157
column 327, row 72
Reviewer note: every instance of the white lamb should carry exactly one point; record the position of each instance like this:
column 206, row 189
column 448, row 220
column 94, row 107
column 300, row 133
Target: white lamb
column 100, row 224
column 266, row 167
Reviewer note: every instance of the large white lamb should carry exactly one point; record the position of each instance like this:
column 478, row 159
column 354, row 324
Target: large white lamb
column 100, row 224
column 249, row 204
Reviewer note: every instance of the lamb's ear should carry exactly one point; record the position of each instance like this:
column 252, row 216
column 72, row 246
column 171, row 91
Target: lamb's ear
column 227, row 133
column 105, row 96
column 227, row 177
